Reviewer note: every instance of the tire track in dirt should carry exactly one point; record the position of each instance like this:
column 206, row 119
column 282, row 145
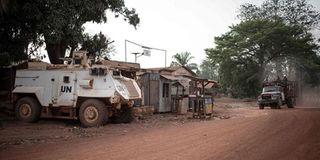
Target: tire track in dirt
column 278, row 134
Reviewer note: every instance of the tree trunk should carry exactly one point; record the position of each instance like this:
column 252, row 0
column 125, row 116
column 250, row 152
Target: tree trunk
column 292, row 73
column 278, row 68
column 71, row 52
column 56, row 51
column 261, row 74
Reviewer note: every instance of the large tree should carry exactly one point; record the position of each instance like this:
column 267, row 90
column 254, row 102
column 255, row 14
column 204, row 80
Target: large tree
column 238, row 78
column 208, row 70
column 292, row 12
column 58, row 23
column 98, row 45
column 249, row 46
column 183, row 59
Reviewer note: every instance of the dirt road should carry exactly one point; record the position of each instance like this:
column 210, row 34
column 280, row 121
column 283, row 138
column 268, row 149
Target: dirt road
column 267, row 134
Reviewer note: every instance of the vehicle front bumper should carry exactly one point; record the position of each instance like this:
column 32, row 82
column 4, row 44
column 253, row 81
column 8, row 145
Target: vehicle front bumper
column 268, row 102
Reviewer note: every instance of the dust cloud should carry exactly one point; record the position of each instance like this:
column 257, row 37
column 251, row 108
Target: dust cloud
column 309, row 97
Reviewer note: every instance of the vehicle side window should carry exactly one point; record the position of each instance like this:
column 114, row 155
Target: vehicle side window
column 66, row 79
column 116, row 73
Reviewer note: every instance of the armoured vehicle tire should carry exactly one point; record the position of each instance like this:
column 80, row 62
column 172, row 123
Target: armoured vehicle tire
column 93, row 113
column 28, row 109
column 124, row 116
column 261, row 107
column 289, row 103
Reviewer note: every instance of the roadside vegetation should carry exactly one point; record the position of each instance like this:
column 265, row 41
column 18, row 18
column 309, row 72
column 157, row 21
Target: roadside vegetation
column 27, row 25
column 274, row 39
column 183, row 59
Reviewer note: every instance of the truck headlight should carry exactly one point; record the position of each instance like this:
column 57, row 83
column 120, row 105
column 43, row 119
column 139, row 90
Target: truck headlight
column 259, row 98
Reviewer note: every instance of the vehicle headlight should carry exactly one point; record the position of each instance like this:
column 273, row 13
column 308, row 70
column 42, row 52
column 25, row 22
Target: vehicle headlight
column 259, row 98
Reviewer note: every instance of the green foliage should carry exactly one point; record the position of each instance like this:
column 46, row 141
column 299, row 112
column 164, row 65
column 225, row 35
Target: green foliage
column 98, row 44
column 183, row 59
column 292, row 12
column 244, row 51
column 262, row 41
column 56, row 22
column 241, row 80
column 309, row 68
column 208, row 70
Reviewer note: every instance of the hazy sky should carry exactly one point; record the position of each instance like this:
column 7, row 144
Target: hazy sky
column 174, row 25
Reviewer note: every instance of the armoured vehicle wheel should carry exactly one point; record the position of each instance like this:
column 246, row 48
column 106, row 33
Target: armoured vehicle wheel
column 93, row 113
column 124, row 116
column 28, row 109
column 261, row 107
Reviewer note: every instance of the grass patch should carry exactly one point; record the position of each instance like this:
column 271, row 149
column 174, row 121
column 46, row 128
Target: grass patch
column 234, row 107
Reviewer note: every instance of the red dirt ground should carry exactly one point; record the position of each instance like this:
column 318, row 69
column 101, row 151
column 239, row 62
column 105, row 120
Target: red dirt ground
column 238, row 131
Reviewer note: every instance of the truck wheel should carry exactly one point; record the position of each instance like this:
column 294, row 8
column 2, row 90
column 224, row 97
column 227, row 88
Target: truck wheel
column 261, row 106
column 28, row 109
column 124, row 116
column 278, row 105
column 93, row 113
column 289, row 103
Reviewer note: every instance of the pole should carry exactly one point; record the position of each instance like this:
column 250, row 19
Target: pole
column 135, row 58
column 145, row 47
column 165, row 59
column 125, row 49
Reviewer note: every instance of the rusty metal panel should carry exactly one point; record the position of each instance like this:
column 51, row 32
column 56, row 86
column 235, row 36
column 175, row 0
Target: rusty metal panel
column 164, row 101
column 125, row 65
column 184, row 106
column 154, row 93
column 131, row 88
column 146, row 87
column 154, row 76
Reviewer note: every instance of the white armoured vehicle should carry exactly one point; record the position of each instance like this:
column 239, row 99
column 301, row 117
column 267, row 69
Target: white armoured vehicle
column 92, row 93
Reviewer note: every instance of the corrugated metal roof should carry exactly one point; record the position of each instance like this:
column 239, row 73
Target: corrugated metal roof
column 178, row 79
column 171, row 69
column 210, row 84
column 184, row 84
column 170, row 77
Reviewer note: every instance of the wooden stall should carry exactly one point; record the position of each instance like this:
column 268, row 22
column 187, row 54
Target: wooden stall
column 177, row 95
column 202, row 97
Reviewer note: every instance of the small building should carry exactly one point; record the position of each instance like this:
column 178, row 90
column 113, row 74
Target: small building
column 165, row 88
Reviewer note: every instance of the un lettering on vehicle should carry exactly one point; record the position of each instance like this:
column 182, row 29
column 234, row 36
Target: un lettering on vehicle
column 66, row 89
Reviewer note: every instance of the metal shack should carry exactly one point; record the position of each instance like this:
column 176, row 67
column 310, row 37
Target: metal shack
column 160, row 88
